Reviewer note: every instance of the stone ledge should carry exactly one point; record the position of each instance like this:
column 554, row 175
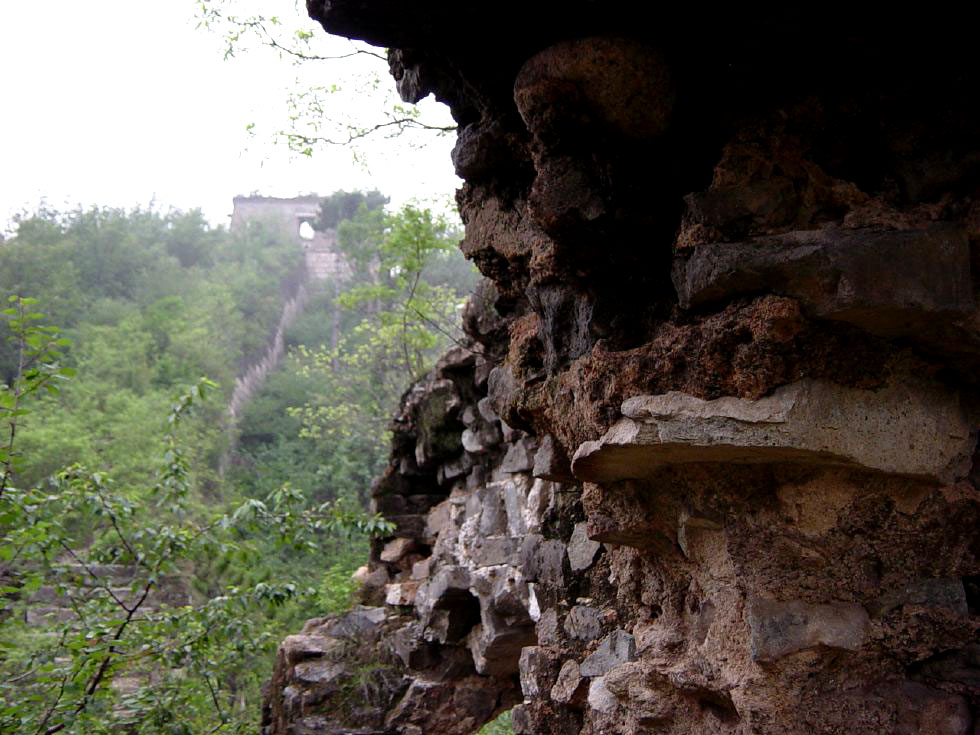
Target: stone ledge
column 907, row 428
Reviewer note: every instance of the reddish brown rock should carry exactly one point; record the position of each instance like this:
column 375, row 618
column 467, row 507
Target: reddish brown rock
column 684, row 221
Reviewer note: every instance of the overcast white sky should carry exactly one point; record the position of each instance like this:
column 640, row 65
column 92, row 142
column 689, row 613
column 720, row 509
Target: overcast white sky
column 120, row 102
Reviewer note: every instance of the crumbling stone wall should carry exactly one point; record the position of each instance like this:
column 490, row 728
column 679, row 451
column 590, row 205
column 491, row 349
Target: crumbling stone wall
column 709, row 462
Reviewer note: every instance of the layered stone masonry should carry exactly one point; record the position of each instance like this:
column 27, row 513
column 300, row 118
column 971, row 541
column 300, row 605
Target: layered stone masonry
column 732, row 265
column 448, row 609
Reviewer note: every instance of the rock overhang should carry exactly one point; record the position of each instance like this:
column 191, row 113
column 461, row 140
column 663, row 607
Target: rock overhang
column 815, row 236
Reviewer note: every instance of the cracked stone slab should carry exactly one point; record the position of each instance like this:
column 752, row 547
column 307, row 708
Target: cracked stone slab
column 318, row 671
column 908, row 428
column 778, row 629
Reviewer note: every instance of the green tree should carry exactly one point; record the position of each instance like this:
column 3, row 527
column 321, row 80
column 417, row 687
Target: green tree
column 399, row 321
column 342, row 206
column 71, row 534
column 151, row 300
column 193, row 300
column 38, row 354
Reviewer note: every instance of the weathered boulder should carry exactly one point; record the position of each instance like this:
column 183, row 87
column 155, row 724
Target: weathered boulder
column 537, row 667
column 570, row 686
column 401, row 593
column 600, row 698
column 395, row 549
column 581, row 549
column 519, row 457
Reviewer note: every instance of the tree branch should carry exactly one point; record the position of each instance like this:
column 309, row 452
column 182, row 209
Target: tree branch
column 99, row 675
column 94, row 576
column 214, row 698
column 258, row 26
column 454, row 340
column 51, row 709
column 115, row 525
column 359, row 134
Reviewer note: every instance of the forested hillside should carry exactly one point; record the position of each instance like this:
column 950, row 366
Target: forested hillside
column 150, row 302
column 121, row 462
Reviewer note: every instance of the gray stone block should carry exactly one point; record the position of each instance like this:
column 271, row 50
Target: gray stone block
column 778, row 629
column 581, row 549
column 617, row 648
column 890, row 283
column 551, row 462
column 583, row 623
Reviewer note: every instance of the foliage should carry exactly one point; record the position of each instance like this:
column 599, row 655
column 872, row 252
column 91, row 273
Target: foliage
column 150, row 301
column 342, row 206
column 199, row 656
column 400, row 319
column 38, row 350
column 500, row 726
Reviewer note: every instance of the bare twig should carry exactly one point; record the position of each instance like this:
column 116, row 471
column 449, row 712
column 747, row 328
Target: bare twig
column 273, row 43
column 258, row 26
column 408, row 300
column 455, row 341
column 358, row 134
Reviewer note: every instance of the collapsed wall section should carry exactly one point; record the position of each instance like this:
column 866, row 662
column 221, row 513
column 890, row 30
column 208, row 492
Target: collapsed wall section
column 708, row 464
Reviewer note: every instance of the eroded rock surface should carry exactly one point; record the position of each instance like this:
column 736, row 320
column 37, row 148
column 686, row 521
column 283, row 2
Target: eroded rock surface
column 732, row 263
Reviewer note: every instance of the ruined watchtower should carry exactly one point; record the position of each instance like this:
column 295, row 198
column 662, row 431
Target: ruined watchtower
column 294, row 219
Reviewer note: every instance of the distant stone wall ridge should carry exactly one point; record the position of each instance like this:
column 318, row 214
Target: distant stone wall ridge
column 255, row 374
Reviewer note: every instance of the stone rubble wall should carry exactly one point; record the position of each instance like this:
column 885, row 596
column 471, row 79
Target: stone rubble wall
column 48, row 606
column 254, row 375
column 708, row 463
